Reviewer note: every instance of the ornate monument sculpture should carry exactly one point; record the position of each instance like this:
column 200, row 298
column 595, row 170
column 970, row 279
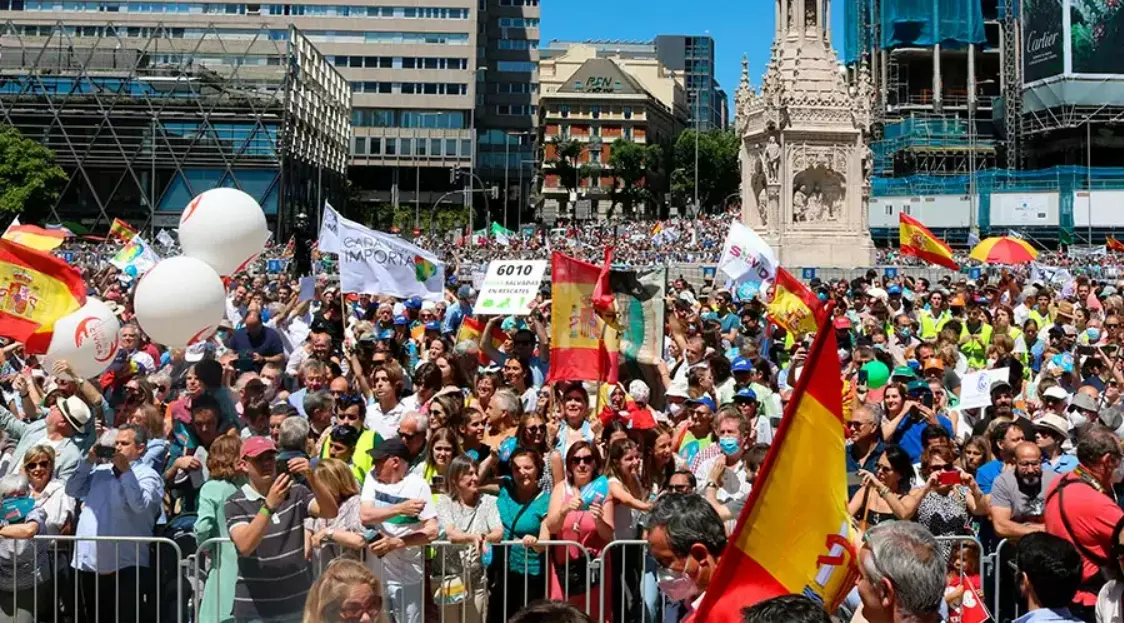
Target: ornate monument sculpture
column 805, row 162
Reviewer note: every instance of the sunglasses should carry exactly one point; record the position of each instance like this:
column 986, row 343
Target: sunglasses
column 407, row 436
column 37, row 465
column 586, row 459
column 540, row 428
column 855, row 425
column 679, row 488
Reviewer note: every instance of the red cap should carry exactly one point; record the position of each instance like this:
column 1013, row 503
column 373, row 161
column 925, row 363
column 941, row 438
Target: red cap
column 256, row 446
column 841, row 322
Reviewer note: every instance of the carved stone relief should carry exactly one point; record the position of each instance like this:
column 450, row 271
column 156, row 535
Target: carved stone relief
column 819, row 195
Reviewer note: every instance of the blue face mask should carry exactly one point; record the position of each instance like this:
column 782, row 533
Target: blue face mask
column 905, row 332
column 729, row 445
column 822, row 296
column 1094, row 334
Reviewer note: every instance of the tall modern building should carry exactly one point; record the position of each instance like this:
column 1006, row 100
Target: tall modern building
column 691, row 57
column 507, row 106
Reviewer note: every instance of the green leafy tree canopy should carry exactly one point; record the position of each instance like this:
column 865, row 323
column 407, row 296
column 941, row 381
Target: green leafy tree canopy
column 718, row 168
column 30, row 179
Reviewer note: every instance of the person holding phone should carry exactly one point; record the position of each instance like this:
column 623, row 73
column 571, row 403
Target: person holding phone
column 949, row 496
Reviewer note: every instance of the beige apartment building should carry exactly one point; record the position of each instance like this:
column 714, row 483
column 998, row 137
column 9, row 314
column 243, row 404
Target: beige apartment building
column 597, row 98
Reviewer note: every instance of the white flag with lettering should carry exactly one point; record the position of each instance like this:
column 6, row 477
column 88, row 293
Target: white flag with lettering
column 746, row 257
column 373, row 262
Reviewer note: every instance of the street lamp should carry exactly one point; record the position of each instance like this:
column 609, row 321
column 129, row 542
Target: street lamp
column 506, row 165
column 522, row 199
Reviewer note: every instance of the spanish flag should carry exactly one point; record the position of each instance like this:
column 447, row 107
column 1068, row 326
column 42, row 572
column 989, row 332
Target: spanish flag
column 657, row 228
column 1113, row 244
column 36, row 289
column 583, row 347
column 794, row 306
column 794, row 534
column 919, row 242
column 122, row 230
column 35, row 237
column 472, row 330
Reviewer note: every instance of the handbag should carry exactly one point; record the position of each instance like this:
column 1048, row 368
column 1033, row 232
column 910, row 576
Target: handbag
column 449, row 590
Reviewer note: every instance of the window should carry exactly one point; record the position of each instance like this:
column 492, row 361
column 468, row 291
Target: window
column 516, row 66
column 376, row 146
column 595, row 110
column 450, row 147
column 435, row 146
column 391, row 147
column 628, row 112
column 421, row 146
column 565, row 110
column 594, row 154
column 360, row 145
column 889, row 210
column 407, row 146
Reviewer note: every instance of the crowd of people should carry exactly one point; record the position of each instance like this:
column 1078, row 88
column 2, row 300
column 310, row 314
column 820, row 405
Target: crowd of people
column 346, row 456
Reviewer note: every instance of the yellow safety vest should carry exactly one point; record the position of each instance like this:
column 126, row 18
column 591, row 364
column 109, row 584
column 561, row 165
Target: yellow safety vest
column 976, row 350
column 931, row 326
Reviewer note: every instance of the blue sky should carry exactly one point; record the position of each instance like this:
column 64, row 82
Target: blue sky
column 738, row 26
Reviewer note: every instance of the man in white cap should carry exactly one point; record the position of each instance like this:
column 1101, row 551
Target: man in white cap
column 66, row 419
column 1051, row 432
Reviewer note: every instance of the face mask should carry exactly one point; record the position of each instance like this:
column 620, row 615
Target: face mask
column 729, row 445
column 991, row 362
column 674, row 409
column 905, row 333
column 1093, row 333
column 677, row 585
column 1077, row 419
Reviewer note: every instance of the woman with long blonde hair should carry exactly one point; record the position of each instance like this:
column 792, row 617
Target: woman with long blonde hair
column 346, row 591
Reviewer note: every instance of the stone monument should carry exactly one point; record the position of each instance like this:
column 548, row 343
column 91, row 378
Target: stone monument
column 805, row 164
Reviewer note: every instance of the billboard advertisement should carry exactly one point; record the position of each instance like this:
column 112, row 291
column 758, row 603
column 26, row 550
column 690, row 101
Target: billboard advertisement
column 1096, row 30
column 1043, row 40
column 1024, row 209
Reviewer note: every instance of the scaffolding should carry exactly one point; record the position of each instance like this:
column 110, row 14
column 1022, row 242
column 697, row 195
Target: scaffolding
column 144, row 118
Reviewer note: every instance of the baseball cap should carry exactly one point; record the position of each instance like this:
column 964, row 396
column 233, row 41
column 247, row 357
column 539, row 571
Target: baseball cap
column 933, row 363
column 464, row 291
column 75, row 412
column 414, row 303
column 1056, row 392
column 998, row 385
column 401, row 321
column 433, row 325
column 903, row 371
column 257, row 446
column 390, row 447
column 741, row 364
column 894, row 289
column 841, row 322
column 704, row 400
column 917, row 386
column 1054, row 423
column 745, row 394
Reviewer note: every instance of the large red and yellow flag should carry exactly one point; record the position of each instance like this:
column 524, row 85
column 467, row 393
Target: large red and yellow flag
column 36, row 289
column 794, row 534
column 918, row 241
column 122, row 230
column 35, row 237
column 1113, row 244
column 582, row 346
column 472, row 330
column 794, row 306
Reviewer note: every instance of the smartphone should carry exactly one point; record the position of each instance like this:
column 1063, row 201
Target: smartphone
column 1086, row 351
column 438, row 484
column 949, row 477
column 927, row 400
column 1109, row 350
column 105, row 452
column 864, row 376
column 854, row 479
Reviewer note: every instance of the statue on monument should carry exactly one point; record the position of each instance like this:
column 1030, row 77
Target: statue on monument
column 800, row 204
column 772, row 160
column 868, row 161
column 815, row 205
column 810, row 13
column 763, row 206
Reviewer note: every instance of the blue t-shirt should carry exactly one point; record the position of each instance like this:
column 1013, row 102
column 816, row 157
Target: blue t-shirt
column 731, row 321
column 530, row 517
column 987, row 473
column 267, row 344
column 908, row 434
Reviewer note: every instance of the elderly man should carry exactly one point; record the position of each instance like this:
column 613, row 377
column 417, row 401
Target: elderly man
column 901, row 574
column 864, row 447
column 1018, row 496
column 66, row 420
column 256, row 344
column 1080, row 509
column 686, row 538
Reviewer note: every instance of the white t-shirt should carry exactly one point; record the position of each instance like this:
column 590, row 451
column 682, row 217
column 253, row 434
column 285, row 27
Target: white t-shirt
column 403, row 566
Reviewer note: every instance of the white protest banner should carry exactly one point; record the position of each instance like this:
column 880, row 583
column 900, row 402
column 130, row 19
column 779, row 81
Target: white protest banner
column 975, row 388
column 746, row 257
column 373, row 262
column 135, row 258
column 165, row 238
column 330, row 223
column 509, row 287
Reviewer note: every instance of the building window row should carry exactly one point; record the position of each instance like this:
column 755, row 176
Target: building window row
column 401, row 118
column 515, row 88
column 517, row 110
column 519, row 2
column 411, row 147
column 518, row 44
column 399, row 62
column 519, row 22
column 206, row 8
column 517, row 66
column 316, row 36
column 595, row 111
column 410, row 88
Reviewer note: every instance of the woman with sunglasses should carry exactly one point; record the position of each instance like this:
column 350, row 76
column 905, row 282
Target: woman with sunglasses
column 26, row 567
column 138, row 392
column 444, row 409
column 950, row 496
column 586, row 519
column 531, row 434
column 523, row 504
column 472, row 522
column 346, row 592
column 883, row 495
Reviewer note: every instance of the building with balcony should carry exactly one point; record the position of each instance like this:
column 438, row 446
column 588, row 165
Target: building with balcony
column 594, row 100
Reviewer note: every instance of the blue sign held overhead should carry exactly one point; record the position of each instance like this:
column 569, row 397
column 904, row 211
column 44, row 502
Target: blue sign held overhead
column 808, row 274
column 891, row 271
column 273, row 266
column 68, row 257
column 974, row 272
column 709, row 272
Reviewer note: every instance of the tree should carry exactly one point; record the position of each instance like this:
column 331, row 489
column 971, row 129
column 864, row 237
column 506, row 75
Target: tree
column 718, row 167
column 30, row 179
column 631, row 164
column 565, row 163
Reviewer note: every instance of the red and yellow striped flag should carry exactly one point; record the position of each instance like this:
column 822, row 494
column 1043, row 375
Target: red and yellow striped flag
column 1113, row 244
column 918, row 241
column 122, row 230
column 36, row 289
column 472, row 330
column 35, row 237
column 794, row 306
column 804, row 476
column 582, row 346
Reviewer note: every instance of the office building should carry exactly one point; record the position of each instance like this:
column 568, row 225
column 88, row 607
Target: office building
column 690, row 57
column 143, row 118
column 507, row 107
column 596, row 99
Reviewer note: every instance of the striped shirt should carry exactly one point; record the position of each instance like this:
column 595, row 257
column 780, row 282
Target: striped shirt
column 274, row 580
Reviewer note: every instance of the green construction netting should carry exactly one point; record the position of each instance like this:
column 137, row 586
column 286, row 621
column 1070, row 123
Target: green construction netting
column 910, row 23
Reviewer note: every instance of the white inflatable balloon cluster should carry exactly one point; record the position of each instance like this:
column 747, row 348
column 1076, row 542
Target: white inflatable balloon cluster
column 86, row 339
column 182, row 299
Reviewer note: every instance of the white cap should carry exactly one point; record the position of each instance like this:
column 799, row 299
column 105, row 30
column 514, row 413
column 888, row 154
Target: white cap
column 1056, row 392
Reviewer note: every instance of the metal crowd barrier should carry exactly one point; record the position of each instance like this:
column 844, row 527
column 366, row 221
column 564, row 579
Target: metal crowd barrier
column 64, row 597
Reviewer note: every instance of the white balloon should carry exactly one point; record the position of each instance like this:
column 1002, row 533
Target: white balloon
column 86, row 339
column 225, row 228
column 180, row 301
